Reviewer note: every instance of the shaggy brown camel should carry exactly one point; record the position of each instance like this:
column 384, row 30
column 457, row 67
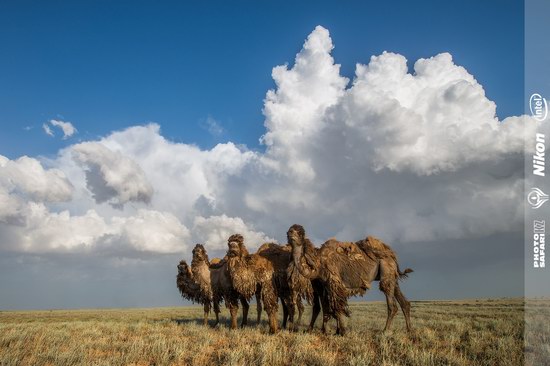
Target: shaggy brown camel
column 249, row 273
column 191, row 289
column 291, row 286
column 214, row 280
column 343, row 269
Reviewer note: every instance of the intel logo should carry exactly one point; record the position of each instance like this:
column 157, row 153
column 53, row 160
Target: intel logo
column 538, row 106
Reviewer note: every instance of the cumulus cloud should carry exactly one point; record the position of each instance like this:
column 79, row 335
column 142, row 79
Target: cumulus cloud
column 67, row 128
column 214, row 231
column 180, row 173
column 27, row 177
column 10, row 207
column 408, row 157
column 405, row 156
column 294, row 110
column 147, row 231
column 111, row 176
column 151, row 231
column 437, row 119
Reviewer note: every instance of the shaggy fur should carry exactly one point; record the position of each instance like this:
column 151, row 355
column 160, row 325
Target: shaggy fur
column 210, row 284
column 248, row 273
column 191, row 289
column 291, row 286
column 377, row 249
column 343, row 269
column 217, row 276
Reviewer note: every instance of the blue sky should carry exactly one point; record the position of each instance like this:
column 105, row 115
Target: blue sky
column 105, row 66
column 418, row 161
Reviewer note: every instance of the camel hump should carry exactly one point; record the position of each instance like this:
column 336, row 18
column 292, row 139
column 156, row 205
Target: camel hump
column 273, row 250
column 375, row 246
column 332, row 243
column 268, row 246
column 216, row 263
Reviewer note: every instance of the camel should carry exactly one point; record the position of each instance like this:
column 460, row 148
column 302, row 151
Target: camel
column 204, row 282
column 250, row 273
column 291, row 286
column 216, row 273
column 339, row 270
column 190, row 289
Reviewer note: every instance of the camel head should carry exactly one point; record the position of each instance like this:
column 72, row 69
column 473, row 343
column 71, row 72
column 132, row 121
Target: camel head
column 304, row 258
column 235, row 246
column 199, row 253
column 296, row 235
column 183, row 268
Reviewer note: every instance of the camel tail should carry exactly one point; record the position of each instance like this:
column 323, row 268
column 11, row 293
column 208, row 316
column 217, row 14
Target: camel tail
column 405, row 273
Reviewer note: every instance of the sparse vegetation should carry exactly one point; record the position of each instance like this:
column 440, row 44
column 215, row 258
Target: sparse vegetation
column 473, row 332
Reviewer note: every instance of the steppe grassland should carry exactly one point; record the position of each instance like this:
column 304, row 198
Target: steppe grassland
column 469, row 332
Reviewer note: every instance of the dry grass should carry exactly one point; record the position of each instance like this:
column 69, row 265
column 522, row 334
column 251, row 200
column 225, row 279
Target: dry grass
column 537, row 332
column 474, row 332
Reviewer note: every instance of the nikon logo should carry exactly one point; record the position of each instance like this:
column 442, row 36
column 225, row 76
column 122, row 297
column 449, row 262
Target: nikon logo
column 538, row 156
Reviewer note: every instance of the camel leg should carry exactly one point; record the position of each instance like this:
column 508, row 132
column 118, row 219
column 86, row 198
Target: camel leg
column 245, row 305
column 326, row 318
column 270, row 305
column 206, row 307
column 317, row 290
column 314, row 311
column 258, row 305
column 327, row 314
column 233, row 310
column 285, row 312
column 340, row 324
column 217, row 312
column 300, row 311
column 392, row 306
column 405, row 306
column 291, row 313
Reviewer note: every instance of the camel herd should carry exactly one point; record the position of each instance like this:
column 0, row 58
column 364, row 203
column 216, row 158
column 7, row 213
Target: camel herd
column 324, row 277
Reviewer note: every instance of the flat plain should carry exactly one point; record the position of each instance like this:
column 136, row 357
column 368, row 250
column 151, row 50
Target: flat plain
column 463, row 332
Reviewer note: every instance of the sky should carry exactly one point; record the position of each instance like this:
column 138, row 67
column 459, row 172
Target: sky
column 132, row 131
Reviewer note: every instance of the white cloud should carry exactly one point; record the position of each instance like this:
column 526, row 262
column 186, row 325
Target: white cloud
column 47, row 129
column 67, row 128
column 111, row 176
column 215, row 230
column 145, row 232
column 26, row 176
column 150, row 231
column 408, row 157
column 10, row 207
column 212, row 126
column 294, row 110
column 437, row 119
column 179, row 173
column 404, row 156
